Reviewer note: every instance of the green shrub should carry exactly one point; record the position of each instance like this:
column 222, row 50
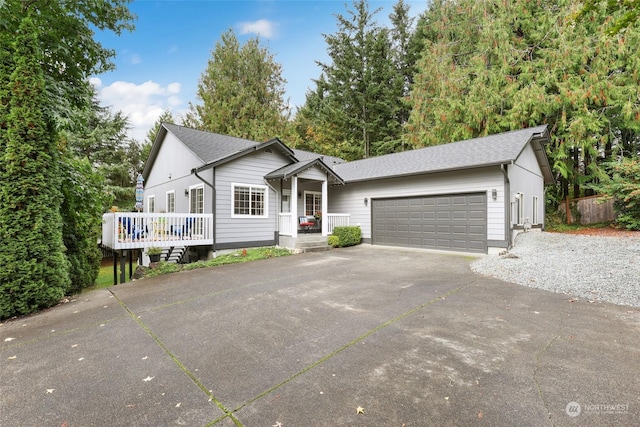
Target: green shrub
column 334, row 241
column 348, row 236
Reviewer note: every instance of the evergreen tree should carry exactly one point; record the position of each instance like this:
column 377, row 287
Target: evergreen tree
column 357, row 102
column 241, row 92
column 34, row 270
column 489, row 67
column 84, row 201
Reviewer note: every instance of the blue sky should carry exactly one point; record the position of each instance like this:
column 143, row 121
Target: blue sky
column 158, row 64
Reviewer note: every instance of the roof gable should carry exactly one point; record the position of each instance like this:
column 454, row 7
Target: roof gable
column 288, row 171
column 490, row 150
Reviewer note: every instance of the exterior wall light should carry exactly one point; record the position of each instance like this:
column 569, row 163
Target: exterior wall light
column 366, row 201
column 494, row 194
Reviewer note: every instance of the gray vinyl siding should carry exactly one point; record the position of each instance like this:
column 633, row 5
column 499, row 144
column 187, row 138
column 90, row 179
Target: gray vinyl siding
column 249, row 169
column 174, row 160
column 526, row 177
column 350, row 198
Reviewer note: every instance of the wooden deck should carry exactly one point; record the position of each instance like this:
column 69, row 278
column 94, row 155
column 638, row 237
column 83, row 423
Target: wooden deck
column 132, row 230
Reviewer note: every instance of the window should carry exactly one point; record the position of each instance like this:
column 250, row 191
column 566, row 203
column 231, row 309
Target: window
column 249, row 200
column 534, row 216
column 171, row 201
column 151, row 204
column 518, row 209
column 312, row 202
column 196, row 199
column 286, row 201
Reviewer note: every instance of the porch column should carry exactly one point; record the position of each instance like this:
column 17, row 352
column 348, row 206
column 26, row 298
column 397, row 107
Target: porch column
column 325, row 207
column 294, row 206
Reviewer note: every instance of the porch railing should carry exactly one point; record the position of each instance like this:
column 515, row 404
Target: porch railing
column 337, row 220
column 132, row 230
column 287, row 221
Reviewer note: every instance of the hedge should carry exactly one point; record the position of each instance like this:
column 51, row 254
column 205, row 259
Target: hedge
column 348, row 236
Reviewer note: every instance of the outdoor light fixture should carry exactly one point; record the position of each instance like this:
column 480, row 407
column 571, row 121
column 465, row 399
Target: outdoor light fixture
column 494, row 194
column 366, row 201
column 186, row 192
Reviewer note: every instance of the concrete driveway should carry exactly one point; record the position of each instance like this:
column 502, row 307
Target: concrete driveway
column 363, row 336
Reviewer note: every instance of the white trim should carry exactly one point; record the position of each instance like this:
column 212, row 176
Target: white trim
column 534, row 214
column 265, row 207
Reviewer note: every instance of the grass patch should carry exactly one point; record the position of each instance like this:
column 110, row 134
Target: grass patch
column 564, row 228
column 243, row 255
column 104, row 279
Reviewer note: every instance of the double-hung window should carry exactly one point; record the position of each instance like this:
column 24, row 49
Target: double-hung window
column 171, row 201
column 249, row 200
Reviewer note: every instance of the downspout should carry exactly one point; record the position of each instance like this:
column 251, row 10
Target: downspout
column 507, row 205
column 213, row 203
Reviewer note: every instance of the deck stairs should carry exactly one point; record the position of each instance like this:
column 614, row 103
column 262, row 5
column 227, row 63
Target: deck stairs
column 174, row 254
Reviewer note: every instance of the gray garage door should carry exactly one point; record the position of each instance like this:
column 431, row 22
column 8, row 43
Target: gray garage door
column 455, row 222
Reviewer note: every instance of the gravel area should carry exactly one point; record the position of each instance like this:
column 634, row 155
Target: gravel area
column 595, row 268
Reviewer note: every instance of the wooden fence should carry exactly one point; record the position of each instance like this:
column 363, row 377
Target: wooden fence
column 591, row 210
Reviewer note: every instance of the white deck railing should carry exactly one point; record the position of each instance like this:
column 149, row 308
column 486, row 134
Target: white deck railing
column 288, row 221
column 132, row 230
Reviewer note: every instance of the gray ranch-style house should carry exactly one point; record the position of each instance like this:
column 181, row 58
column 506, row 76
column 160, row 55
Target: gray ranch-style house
column 205, row 192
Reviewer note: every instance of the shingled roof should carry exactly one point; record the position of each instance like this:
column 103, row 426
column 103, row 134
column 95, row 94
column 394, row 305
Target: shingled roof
column 212, row 147
column 490, row 150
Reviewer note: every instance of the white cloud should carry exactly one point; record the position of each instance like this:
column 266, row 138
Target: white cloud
column 135, row 59
column 142, row 103
column 261, row 27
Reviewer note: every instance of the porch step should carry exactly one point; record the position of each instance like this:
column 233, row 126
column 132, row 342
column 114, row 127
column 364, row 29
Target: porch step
column 306, row 243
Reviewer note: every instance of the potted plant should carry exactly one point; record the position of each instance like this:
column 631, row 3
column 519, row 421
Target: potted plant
column 154, row 253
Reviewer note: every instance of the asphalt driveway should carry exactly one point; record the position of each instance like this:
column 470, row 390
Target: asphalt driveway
column 364, row 336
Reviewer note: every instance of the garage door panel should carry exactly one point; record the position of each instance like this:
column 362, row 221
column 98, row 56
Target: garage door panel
column 452, row 222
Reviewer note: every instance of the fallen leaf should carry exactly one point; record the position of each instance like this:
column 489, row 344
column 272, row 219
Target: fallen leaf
column 359, row 410
column 145, row 358
column 9, row 339
column 148, row 379
column 480, row 415
column 446, row 398
column 50, row 390
column 12, row 358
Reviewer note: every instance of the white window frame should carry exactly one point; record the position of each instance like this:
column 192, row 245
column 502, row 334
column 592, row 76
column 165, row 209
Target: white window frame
column 151, row 204
column 191, row 189
column 534, row 213
column 316, row 195
column 170, row 209
column 252, row 187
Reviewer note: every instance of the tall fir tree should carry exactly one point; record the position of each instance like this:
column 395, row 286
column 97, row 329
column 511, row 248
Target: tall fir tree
column 34, row 272
column 241, row 92
column 357, row 101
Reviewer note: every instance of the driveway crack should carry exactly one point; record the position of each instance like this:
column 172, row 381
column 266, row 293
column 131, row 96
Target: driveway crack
column 228, row 413
column 539, row 355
